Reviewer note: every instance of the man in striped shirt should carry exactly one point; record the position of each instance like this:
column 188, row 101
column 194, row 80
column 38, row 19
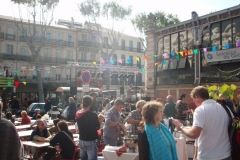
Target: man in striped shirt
column 182, row 110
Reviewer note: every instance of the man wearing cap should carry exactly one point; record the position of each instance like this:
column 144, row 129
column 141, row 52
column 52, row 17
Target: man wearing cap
column 113, row 123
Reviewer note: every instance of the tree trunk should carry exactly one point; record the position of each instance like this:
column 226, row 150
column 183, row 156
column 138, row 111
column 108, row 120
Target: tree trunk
column 39, row 78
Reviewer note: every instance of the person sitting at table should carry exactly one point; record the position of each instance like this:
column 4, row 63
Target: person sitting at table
column 40, row 133
column 39, row 117
column 54, row 130
column 9, row 117
column 37, row 111
column 25, row 118
column 65, row 140
column 155, row 141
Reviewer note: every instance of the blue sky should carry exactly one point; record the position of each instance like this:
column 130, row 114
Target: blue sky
column 182, row 8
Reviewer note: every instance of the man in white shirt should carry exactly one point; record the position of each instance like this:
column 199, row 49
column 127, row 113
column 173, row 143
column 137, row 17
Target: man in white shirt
column 210, row 126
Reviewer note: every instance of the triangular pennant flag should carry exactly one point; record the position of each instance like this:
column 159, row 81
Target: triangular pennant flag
column 150, row 66
column 195, row 51
column 164, row 62
column 103, row 62
column 178, row 57
column 214, row 48
column 181, row 53
column 77, row 64
column 16, row 83
column 227, row 46
column 172, row 54
column 165, row 55
column 94, row 63
column 205, row 49
column 170, row 59
column 137, row 58
column 146, row 57
column 156, row 64
column 111, row 61
column 31, row 69
column 24, row 83
column 128, row 60
column 136, row 72
column 143, row 69
column 16, row 72
column 186, row 52
column 155, row 55
column 120, row 61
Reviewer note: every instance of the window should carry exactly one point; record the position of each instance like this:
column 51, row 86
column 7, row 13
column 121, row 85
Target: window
column 131, row 45
column 48, row 35
column 69, row 38
column 83, row 56
column 47, row 72
column 10, row 30
column 47, row 55
column 59, row 37
column 37, row 33
column 68, row 74
column 139, row 79
column 93, row 57
column 138, row 46
column 131, row 63
column 59, row 56
column 84, row 37
column 24, row 51
column 123, row 44
column 93, row 39
column 70, row 55
column 24, row 32
column 139, row 63
column 123, row 58
column 58, row 73
column 9, row 49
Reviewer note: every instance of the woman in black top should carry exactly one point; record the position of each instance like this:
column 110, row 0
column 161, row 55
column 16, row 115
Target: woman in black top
column 9, row 117
column 65, row 140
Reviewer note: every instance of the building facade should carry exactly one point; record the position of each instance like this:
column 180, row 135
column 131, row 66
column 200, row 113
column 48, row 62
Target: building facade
column 68, row 51
column 200, row 51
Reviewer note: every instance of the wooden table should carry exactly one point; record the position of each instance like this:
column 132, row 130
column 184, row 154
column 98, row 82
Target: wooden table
column 21, row 127
column 37, row 145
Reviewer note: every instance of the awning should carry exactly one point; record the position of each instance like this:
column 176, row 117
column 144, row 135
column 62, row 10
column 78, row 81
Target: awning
column 79, row 89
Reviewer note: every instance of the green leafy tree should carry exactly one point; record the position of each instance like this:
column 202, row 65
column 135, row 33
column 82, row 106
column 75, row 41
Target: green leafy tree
column 33, row 29
column 160, row 20
column 111, row 12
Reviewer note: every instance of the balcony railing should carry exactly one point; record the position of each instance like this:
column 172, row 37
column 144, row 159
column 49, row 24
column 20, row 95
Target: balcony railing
column 1, row 35
column 10, row 37
column 15, row 57
column 48, row 41
column 95, row 45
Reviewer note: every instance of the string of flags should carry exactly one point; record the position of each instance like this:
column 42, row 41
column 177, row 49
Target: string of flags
column 191, row 51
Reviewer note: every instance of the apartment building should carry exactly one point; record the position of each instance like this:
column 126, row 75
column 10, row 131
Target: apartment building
column 68, row 51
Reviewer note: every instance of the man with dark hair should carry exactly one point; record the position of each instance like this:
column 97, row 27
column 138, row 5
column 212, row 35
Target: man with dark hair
column 54, row 129
column 113, row 123
column 182, row 110
column 210, row 127
column 170, row 110
column 15, row 105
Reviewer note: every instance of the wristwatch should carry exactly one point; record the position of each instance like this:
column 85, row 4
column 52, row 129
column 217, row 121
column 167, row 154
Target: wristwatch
column 181, row 127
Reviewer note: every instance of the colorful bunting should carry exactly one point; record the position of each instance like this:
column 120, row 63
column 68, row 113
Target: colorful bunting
column 136, row 72
column 138, row 59
column 143, row 69
column 164, row 62
column 172, row 54
column 150, row 66
column 24, row 71
column 94, row 63
column 24, row 83
column 31, row 69
column 237, row 44
column 156, row 64
column 120, row 61
column 128, row 60
column 155, row 56
column 103, row 62
column 77, row 64
column 170, row 59
column 186, row 52
column 165, row 55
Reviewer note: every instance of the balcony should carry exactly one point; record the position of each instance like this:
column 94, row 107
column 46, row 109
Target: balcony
column 49, row 41
column 15, row 57
column 96, row 45
column 10, row 37
column 1, row 35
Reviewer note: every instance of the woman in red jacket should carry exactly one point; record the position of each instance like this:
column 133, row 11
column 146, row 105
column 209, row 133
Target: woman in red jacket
column 25, row 118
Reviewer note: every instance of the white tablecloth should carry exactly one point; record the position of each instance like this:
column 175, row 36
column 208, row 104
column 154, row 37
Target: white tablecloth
column 109, row 153
column 181, row 148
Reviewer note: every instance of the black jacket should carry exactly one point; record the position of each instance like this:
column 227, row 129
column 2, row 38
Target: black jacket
column 71, row 111
column 143, row 146
column 66, row 144
column 37, row 132
column 88, row 124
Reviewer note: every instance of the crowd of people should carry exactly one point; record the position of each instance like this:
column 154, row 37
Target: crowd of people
column 146, row 119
